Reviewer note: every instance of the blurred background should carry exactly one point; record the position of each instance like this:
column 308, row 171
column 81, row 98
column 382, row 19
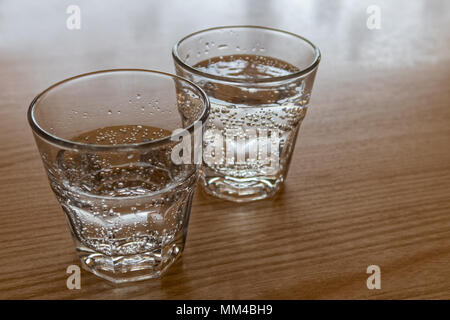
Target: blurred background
column 140, row 34
column 37, row 48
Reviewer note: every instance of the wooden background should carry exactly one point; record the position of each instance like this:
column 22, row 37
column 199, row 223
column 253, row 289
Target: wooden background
column 369, row 183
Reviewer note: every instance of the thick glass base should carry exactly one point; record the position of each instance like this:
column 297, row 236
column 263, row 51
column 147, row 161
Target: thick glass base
column 241, row 189
column 128, row 268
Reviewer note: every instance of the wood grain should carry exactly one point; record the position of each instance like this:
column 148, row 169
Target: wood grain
column 370, row 178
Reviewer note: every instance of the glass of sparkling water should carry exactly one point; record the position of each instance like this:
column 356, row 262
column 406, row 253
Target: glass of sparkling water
column 106, row 142
column 259, row 82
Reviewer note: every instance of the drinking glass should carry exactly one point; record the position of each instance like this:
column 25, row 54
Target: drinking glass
column 106, row 143
column 259, row 82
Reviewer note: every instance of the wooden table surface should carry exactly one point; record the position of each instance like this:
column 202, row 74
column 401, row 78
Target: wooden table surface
column 370, row 178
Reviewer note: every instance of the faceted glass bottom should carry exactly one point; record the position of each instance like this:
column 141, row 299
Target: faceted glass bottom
column 128, row 268
column 241, row 189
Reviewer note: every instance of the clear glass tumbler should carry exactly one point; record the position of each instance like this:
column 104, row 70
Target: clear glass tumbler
column 259, row 82
column 106, row 142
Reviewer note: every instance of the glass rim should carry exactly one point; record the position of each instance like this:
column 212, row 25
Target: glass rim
column 293, row 75
column 69, row 144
